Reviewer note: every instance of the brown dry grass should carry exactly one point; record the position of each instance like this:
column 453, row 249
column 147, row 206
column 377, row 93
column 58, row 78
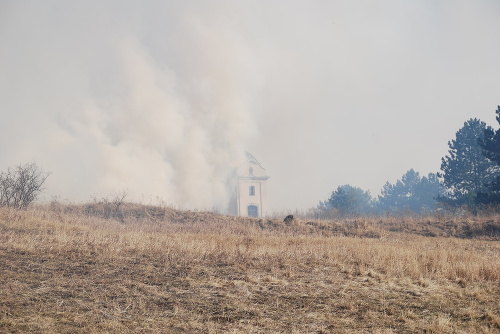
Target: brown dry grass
column 63, row 269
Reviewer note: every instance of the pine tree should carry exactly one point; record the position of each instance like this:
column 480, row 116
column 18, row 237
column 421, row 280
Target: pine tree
column 466, row 172
column 491, row 141
column 411, row 193
column 491, row 150
column 348, row 201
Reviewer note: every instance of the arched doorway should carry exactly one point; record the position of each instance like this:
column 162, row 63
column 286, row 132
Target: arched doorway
column 253, row 211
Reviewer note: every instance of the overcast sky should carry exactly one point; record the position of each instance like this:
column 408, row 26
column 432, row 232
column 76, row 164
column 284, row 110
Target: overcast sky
column 158, row 98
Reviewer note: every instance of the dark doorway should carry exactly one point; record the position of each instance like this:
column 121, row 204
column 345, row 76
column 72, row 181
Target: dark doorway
column 253, row 211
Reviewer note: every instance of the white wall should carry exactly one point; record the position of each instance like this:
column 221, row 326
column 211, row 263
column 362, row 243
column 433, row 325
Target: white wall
column 257, row 179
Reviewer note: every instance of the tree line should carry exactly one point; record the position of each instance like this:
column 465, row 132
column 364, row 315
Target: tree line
column 469, row 179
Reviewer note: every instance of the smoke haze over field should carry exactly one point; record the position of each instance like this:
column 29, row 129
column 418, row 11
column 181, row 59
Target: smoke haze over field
column 160, row 98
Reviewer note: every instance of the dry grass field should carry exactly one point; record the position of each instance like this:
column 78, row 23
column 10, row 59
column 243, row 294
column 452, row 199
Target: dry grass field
column 145, row 269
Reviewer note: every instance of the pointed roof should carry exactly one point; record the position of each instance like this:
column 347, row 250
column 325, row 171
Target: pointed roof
column 252, row 159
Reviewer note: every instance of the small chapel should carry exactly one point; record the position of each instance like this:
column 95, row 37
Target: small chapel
column 251, row 192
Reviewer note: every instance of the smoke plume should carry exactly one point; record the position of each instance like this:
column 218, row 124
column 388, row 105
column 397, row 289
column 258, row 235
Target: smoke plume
column 151, row 99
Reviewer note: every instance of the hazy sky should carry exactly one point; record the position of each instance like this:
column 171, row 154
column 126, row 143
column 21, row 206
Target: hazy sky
column 159, row 98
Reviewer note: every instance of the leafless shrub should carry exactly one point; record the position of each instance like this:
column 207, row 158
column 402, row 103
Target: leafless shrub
column 21, row 185
column 107, row 208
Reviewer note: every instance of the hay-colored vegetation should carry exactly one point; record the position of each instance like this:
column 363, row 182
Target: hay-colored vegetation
column 144, row 269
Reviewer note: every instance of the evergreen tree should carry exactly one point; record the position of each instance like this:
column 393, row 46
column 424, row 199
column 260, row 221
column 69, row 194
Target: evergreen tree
column 491, row 150
column 491, row 141
column 348, row 201
column 429, row 190
column 465, row 170
column 411, row 193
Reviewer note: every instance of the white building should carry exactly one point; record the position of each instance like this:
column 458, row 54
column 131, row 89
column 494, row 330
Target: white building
column 251, row 193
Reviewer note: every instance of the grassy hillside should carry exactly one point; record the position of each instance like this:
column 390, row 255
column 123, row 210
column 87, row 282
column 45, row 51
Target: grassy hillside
column 140, row 269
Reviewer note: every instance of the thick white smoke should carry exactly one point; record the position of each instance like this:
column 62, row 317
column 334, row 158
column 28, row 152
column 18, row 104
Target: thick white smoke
column 151, row 99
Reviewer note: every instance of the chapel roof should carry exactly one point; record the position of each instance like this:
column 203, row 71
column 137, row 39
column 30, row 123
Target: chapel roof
column 251, row 159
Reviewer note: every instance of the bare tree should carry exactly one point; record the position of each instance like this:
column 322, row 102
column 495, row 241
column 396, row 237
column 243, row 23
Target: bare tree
column 21, row 185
